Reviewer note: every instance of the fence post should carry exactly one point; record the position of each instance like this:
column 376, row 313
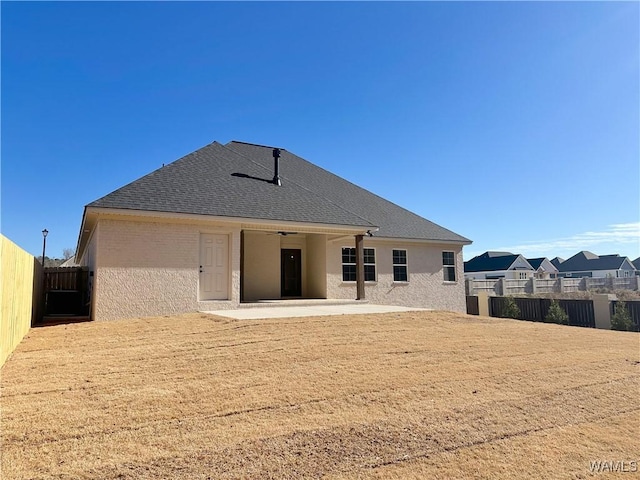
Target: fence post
column 483, row 303
column 602, row 309
column 561, row 284
column 503, row 286
column 533, row 285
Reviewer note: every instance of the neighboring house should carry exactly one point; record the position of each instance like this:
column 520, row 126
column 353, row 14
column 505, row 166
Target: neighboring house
column 636, row 264
column 543, row 267
column 587, row 264
column 240, row 223
column 492, row 265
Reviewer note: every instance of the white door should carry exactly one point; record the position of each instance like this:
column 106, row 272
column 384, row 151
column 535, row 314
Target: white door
column 214, row 267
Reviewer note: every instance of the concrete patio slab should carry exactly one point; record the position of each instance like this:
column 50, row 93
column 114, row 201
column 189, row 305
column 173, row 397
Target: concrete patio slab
column 308, row 311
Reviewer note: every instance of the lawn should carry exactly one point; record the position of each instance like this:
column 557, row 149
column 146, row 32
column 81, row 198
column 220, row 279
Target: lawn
column 404, row 395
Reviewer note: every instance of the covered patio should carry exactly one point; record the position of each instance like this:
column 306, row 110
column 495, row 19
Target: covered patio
column 292, row 263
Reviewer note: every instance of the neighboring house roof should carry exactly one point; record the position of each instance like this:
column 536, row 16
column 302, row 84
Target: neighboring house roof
column 235, row 180
column 491, row 262
column 536, row 262
column 69, row 262
column 543, row 264
column 636, row 263
column 588, row 262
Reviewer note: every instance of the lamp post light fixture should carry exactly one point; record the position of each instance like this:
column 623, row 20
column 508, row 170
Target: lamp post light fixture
column 45, row 232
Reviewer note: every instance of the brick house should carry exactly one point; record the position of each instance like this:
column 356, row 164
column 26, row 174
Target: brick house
column 239, row 222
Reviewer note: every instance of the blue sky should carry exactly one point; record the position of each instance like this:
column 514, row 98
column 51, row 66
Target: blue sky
column 514, row 124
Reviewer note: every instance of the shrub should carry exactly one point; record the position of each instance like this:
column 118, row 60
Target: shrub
column 510, row 309
column 621, row 319
column 556, row 314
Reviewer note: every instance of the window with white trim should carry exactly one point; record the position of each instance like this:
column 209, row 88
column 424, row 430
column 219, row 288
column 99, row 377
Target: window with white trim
column 349, row 264
column 400, row 271
column 449, row 266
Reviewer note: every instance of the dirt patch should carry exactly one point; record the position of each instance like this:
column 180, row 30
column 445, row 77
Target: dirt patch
column 398, row 395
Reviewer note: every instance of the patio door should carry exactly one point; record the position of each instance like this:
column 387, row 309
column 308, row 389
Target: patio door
column 291, row 273
column 214, row 267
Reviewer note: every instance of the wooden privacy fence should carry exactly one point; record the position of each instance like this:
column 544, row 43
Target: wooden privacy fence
column 580, row 312
column 67, row 291
column 20, row 295
column 473, row 308
column 63, row 278
column 597, row 312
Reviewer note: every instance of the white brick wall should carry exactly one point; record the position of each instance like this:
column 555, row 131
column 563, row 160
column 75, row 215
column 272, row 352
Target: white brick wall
column 426, row 287
column 147, row 268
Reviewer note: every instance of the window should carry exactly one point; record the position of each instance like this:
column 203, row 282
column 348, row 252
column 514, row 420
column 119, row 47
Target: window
column 400, row 266
column 523, row 275
column 369, row 265
column 449, row 266
column 349, row 264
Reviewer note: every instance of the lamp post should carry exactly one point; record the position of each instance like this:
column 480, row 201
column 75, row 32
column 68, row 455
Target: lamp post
column 45, row 232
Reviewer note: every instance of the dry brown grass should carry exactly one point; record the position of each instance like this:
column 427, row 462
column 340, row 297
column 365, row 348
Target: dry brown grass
column 411, row 395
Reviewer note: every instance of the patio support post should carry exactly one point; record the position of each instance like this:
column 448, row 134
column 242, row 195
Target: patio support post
column 360, row 267
column 241, row 266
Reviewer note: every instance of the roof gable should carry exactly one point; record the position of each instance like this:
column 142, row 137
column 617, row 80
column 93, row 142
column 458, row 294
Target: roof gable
column 535, row 262
column 542, row 263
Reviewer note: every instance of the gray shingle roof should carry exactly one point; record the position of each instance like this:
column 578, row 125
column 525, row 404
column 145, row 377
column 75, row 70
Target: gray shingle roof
column 536, row 262
column 490, row 262
column 234, row 180
column 393, row 220
column 556, row 261
column 586, row 261
column 217, row 181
